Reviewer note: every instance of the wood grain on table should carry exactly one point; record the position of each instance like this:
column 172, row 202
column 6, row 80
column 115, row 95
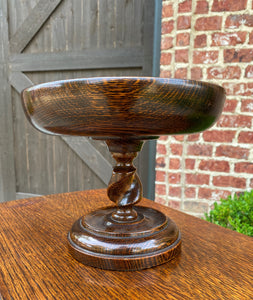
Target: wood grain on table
column 215, row 263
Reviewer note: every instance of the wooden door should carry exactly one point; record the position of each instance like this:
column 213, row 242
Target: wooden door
column 47, row 40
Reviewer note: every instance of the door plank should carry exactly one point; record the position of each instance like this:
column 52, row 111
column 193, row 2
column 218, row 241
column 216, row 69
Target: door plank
column 7, row 170
column 87, row 59
column 81, row 146
column 148, row 38
column 25, row 195
column 91, row 156
column 19, row 81
column 108, row 42
column 32, row 24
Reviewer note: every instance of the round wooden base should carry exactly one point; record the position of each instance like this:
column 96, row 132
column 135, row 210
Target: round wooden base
column 98, row 240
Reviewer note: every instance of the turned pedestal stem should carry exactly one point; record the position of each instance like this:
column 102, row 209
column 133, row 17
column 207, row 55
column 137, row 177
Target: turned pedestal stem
column 124, row 188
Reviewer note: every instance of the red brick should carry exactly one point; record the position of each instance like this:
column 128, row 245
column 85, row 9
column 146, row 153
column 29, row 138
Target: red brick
column 196, row 73
column 214, row 165
column 195, row 206
column 247, row 105
column 200, row 150
column 179, row 137
column 181, row 73
column 160, row 189
column 240, row 55
column 244, row 167
column 204, row 193
column 160, row 176
column 175, row 191
column 229, row 181
column 216, row 195
column 202, row 7
column 230, row 105
column 200, row 41
column 165, row 74
column 174, row 204
column 165, row 58
column 228, row 38
column 246, row 137
column 183, row 22
column 219, row 136
column 183, row 39
column 238, row 89
column 167, row 11
column 208, row 23
column 251, row 183
column 161, row 149
column 197, row 179
column 167, row 27
column 231, row 5
column 235, row 121
column 185, row 6
column 174, row 178
column 190, row 192
column 235, row 89
column 193, row 137
column 174, row 164
column 181, row 55
column 232, row 152
column 235, row 21
column 230, row 72
column 222, row 194
column 249, row 72
column 166, row 43
column 189, row 163
column 176, row 149
column 251, row 38
column 160, row 162
column 205, row 57
column 160, row 200
column 163, row 138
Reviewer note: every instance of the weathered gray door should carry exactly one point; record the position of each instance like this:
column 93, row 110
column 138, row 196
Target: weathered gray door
column 47, row 40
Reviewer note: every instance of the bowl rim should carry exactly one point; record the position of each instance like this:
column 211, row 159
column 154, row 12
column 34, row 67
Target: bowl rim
column 94, row 80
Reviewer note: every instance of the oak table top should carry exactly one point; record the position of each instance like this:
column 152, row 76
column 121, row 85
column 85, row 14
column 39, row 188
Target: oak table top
column 215, row 263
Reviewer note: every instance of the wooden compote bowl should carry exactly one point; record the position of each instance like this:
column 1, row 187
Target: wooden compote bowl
column 124, row 112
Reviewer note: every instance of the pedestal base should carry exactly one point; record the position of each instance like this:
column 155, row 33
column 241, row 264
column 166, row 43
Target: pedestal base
column 98, row 240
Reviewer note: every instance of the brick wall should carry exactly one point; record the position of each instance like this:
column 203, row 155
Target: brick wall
column 210, row 41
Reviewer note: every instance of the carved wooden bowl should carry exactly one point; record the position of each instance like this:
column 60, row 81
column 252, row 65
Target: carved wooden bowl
column 123, row 107
column 124, row 112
